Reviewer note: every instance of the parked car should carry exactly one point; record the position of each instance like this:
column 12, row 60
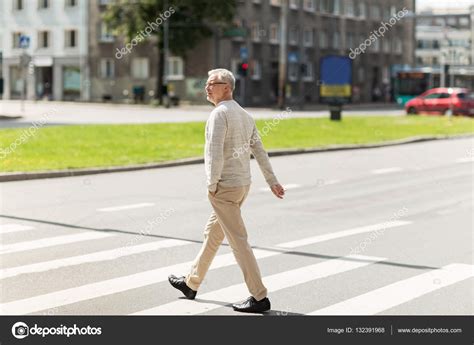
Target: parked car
column 441, row 100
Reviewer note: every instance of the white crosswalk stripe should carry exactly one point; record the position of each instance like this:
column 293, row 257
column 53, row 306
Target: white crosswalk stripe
column 51, row 241
column 343, row 233
column 105, row 255
column 273, row 283
column 389, row 296
column 124, row 283
column 9, row 228
column 111, row 286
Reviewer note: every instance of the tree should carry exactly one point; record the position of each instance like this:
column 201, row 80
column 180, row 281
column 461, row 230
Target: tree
column 190, row 22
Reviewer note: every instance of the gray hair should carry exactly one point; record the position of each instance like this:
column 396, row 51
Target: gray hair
column 223, row 75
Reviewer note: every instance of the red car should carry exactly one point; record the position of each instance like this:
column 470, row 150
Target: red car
column 441, row 100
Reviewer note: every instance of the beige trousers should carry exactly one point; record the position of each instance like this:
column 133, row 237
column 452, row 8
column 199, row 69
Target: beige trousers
column 226, row 220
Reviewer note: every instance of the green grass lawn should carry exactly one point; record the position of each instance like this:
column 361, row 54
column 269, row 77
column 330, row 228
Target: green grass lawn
column 66, row 147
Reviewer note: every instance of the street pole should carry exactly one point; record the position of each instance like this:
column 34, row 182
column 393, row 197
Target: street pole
column 283, row 54
column 165, row 57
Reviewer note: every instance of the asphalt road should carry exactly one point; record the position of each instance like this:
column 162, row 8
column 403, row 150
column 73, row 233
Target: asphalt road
column 63, row 113
column 374, row 231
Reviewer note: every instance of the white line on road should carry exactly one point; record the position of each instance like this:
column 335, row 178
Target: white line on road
column 50, row 242
column 279, row 281
column 111, row 286
column 8, row 228
column 286, row 187
column 105, row 255
column 386, row 170
column 343, row 233
column 125, row 207
column 389, row 296
column 465, row 160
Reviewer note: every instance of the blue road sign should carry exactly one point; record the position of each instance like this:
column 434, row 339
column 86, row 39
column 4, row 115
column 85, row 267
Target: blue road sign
column 244, row 53
column 24, row 42
column 293, row 57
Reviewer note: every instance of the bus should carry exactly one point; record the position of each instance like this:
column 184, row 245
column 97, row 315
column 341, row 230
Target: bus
column 408, row 84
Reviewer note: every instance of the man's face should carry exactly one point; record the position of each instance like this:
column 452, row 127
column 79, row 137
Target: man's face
column 216, row 89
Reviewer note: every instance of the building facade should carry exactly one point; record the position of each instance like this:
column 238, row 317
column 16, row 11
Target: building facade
column 45, row 49
column 447, row 39
column 92, row 70
column 316, row 28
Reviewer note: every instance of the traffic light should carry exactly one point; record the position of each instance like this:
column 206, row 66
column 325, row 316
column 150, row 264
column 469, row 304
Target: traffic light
column 243, row 68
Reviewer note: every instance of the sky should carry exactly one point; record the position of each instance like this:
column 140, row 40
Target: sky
column 420, row 4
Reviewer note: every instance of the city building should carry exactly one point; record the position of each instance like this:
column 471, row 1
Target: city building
column 91, row 70
column 444, row 41
column 45, row 49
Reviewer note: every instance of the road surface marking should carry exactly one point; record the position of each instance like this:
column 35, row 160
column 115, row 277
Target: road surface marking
column 343, row 233
column 386, row 170
column 273, row 283
column 51, row 241
column 111, row 286
column 465, row 160
column 119, row 284
column 8, row 228
column 125, row 207
column 390, row 296
column 105, row 255
column 286, row 187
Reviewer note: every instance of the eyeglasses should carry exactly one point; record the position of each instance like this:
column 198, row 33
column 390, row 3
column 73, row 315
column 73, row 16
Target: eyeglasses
column 212, row 84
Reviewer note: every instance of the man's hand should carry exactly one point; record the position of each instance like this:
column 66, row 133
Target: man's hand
column 278, row 190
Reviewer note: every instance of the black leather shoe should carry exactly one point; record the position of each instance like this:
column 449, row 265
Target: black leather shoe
column 180, row 284
column 251, row 305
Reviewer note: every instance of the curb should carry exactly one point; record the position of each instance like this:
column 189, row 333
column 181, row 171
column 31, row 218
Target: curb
column 21, row 176
column 10, row 117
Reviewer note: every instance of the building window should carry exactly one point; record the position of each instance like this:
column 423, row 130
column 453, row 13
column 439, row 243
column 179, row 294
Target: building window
column 324, row 6
column 397, row 46
column 293, row 71
column 308, row 37
column 294, row 4
column 105, row 33
column 362, row 10
column 43, row 39
column 293, row 35
column 42, row 4
column 350, row 40
column 175, row 68
column 107, row 68
column 16, row 39
column 307, row 71
column 256, row 70
column 375, row 12
column 323, row 39
column 308, row 5
column 386, row 46
column 70, row 38
column 464, row 21
column 274, row 33
column 336, row 40
column 140, row 68
column 386, row 13
column 349, row 8
column 18, row 5
column 393, row 11
column 337, row 7
column 376, row 46
column 71, row 3
column 255, row 32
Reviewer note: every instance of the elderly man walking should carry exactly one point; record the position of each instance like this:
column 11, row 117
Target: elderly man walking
column 231, row 135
